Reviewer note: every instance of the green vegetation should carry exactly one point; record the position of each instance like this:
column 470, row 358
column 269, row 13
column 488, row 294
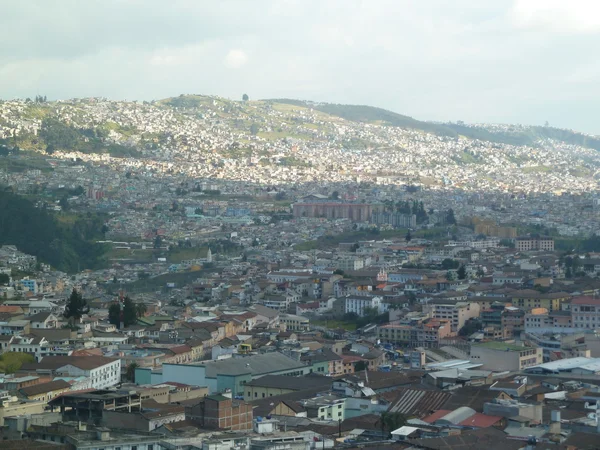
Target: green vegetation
column 57, row 135
column 67, row 247
column 370, row 114
column 496, row 345
column 10, row 362
column 364, row 235
column 335, row 324
column 76, row 307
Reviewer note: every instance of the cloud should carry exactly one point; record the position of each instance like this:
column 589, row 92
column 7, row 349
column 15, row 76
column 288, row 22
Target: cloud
column 236, row 58
column 475, row 60
column 557, row 16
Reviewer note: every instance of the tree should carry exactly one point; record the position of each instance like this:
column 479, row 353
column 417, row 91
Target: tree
column 480, row 272
column 245, row 97
column 450, row 217
column 143, row 275
column 76, row 307
column 360, row 366
column 338, row 272
column 462, row 272
column 129, row 312
column 335, row 195
column 140, row 309
column 64, row 202
column 254, row 129
column 157, row 242
column 114, row 314
column 471, row 326
column 130, row 372
column 4, row 278
column 50, row 149
column 408, row 237
column 450, row 276
column 449, row 263
column 391, row 421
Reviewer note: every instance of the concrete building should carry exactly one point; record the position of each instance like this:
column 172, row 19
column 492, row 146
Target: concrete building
column 357, row 305
column 103, row 372
column 222, row 413
column 501, row 356
column 357, row 212
column 457, row 313
column 227, row 375
column 395, row 219
column 585, row 312
column 524, row 244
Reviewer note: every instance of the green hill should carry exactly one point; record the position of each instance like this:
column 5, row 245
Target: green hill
column 370, row 114
column 66, row 246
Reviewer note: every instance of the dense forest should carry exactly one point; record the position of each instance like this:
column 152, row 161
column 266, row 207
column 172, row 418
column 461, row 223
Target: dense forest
column 65, row 246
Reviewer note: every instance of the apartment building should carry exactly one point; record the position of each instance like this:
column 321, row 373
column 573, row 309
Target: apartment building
column 457, row 313
column 526, row 244
column 358, row 305
column 585, row 312
column 503, row 356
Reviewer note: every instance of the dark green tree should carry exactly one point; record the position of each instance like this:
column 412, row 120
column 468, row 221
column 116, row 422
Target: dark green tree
column 450, row 217
column 157, row 242
column 335, row 195
column 360, row 366
column 129, row 312
column 140, row 309
column 245, row 97
column 462, row 272
column 254, row 129
column 114, row 314
column 4, row 278
column 449, row 263
column 130, row 372
column 76, row 307
column 408, row 236
column 50, row 149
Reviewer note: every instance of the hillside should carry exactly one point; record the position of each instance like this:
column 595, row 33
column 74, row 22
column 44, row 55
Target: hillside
column 283, row 142
column 65, row 246
column 511, row 135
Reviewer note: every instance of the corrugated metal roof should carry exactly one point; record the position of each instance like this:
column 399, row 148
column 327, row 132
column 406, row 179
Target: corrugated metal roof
column 417, row 402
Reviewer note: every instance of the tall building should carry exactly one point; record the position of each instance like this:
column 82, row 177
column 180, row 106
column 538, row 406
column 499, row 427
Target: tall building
column 524, row 244
column 358, row 212
column 395, row 219
column 585, row 312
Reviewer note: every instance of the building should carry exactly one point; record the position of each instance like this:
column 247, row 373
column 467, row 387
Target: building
column 325, row 407
column 501, row 356
column 395, row 219
column 457, row 313
column 528, row 299
column 91, row 405
column 357, row 305
column 357, row 212
column 427, row 334
column 45, row 391
column 293, row 322
column 272, row 385
column 103, row 372
column 585, row 312
column 222, row 413
column 524, row 244
column 227, row 375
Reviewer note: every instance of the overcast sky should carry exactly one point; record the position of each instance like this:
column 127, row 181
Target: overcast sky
column 509, row 61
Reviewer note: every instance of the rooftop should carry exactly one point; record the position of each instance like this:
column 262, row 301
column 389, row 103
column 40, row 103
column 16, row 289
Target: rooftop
column 503, row 346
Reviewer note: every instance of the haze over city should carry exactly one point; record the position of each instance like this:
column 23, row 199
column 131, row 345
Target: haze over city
column 294, row 225
column 521, row 61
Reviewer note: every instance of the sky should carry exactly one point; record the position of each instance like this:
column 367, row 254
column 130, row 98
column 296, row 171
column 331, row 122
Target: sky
column 495, row 61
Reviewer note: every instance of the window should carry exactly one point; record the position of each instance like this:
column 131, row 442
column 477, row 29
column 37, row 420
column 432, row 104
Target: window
column 150, row 447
